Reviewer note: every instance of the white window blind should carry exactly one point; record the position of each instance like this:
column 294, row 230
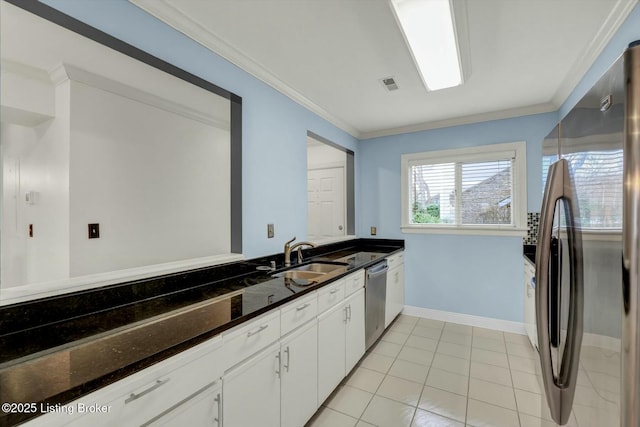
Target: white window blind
column 468, row 188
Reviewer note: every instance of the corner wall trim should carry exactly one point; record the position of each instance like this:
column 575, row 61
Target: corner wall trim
column 466, row 319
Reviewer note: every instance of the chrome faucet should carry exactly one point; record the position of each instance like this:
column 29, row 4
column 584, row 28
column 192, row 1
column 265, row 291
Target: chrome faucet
column 288, row 249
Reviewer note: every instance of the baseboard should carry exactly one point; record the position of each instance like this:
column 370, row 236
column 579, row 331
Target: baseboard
column 466, row 319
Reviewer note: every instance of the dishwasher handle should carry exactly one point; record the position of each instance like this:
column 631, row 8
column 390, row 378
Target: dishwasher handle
column 377, row 270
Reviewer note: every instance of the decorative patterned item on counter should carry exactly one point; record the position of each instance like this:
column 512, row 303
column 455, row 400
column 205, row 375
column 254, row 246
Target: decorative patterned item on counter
column 533, row 219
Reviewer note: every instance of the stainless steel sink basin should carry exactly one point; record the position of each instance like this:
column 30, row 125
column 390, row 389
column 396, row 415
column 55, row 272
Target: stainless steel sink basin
column 299, row 274
column 314, row 272
column 317, row 267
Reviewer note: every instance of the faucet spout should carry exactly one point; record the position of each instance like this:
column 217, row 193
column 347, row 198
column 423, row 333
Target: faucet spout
column 288, row 248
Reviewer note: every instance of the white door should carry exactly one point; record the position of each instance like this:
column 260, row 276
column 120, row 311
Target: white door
column 331, row 350
column 255, row 384
column 299, row 392
column 325, row 190
column 354, row 336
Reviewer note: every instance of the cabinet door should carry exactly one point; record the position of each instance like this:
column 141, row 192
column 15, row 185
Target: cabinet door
column 201, row 410
column 395, row 294
column 331, row 350
column 354, row 335
column 299, row 385
column 252, row 391
column 398, row 292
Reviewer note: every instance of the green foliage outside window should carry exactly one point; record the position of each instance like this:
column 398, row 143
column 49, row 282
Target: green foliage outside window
column 429, row 214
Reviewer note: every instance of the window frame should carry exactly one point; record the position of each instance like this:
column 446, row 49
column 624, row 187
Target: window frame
column 471, row 154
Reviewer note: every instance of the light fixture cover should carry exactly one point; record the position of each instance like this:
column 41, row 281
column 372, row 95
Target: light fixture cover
column 428, row 27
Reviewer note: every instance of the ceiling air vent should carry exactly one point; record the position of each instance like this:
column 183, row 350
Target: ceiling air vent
column 389, row 83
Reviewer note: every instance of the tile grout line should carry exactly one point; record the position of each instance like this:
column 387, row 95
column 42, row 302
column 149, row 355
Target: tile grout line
column 513, row 385
column 387, row 371
column 424, row 383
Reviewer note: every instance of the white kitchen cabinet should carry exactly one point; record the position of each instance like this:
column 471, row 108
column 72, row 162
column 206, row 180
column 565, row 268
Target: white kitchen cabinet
column 353, row 282
column 251, row 391
column 354, row 330
column 395, row 289
column 530, row 303
column 341, row 342
column 147, row 395
column 273, row 371
column 201, row 410
column 299, row 379
column 331, row 350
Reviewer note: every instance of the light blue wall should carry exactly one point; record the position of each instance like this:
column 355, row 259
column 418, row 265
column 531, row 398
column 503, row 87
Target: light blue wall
column 476, row 275
column 274, row 127
column 466, row 274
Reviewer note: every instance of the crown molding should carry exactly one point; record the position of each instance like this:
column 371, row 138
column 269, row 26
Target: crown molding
column 609, row 28
column 63, row 72
column 173, row 16
column 464, row 120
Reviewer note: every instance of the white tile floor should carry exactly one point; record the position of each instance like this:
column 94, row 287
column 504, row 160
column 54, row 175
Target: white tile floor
column 429, row 373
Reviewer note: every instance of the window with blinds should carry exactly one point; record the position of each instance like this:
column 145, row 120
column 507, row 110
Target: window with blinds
column 597, row 176
column 468, row 189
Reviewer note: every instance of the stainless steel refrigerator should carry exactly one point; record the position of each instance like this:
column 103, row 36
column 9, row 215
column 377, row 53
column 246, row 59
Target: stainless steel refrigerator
column 588, row 257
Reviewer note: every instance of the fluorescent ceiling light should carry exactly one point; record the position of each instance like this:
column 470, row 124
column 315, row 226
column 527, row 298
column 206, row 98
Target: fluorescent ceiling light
column 428, row 28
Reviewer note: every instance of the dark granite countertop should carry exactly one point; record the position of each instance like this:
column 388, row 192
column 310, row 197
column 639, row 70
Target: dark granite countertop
column 57, row 349
column 529, row 253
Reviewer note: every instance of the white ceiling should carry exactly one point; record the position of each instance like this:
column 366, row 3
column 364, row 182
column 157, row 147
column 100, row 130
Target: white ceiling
column 329, row 55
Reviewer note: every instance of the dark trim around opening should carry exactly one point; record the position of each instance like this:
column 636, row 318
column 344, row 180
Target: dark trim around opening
column 350, row 184
column 54, row 15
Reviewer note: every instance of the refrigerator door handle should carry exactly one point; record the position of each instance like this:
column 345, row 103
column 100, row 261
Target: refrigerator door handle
column 630, row 393
column 559, row 389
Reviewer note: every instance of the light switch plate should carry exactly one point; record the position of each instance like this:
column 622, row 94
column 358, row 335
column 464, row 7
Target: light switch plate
column 94, row 231
column 374, row 231
column 270, row 231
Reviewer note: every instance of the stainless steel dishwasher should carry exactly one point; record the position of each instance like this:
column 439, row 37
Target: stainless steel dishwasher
column 375, row 295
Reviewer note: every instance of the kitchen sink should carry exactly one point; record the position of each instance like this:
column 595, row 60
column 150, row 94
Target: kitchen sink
column 320, row 267
column 314, row 272
column 299, row 274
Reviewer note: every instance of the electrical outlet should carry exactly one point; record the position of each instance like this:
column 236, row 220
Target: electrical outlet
column 270, row 233
column 30, row 230
column 374, row 231
column 94, row 231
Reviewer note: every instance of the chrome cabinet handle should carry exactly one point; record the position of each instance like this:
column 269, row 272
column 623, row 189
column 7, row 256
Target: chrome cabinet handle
column 286, row 365
column 279, row 369
column 302, row 307
column 346, row 315
column 333, row 291
column 561, row 389
column 260, row 329
column 349, row 312
column 218, row 400
column 134, row 396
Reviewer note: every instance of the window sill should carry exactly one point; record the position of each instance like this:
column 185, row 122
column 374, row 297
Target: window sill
column 478, row 231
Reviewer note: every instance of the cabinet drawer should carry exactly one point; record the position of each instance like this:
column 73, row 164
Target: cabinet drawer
column 249, row 339
column 395, row 260
column 353, row 282
column 330, row 295
column 298, row 312
column 166, row 389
